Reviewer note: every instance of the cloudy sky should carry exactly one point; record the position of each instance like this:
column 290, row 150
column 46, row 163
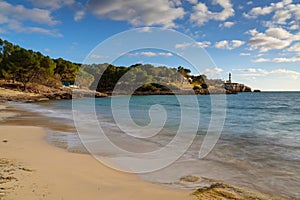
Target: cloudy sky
column 257, row 41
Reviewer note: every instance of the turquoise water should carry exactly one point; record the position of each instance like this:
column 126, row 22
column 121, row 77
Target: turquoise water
column 259, row 146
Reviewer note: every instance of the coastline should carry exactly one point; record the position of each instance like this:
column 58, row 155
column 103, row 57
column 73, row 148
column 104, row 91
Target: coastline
column 39, row 93
column 38, row 170
column 79, row 176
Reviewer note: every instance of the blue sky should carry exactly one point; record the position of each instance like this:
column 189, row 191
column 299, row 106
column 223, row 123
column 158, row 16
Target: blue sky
column 257, row 41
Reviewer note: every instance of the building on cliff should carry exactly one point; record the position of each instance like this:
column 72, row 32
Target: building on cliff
column 232, row 87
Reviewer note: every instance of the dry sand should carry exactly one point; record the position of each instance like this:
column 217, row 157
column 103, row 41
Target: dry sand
column 32, row 169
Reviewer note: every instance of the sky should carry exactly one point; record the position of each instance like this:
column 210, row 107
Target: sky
column 257, row 41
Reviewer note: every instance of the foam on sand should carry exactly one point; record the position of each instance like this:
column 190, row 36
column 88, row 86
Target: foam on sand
column 5, row 114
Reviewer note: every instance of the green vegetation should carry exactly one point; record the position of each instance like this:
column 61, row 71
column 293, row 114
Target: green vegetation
column 26, row 66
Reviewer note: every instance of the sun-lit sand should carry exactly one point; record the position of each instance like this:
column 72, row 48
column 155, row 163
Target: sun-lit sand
column 35, row 170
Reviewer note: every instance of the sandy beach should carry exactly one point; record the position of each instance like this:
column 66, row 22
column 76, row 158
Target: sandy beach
column 40, row 171
column 31, row 168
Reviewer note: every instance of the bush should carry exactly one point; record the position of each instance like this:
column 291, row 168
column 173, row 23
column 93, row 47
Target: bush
column 196, row 87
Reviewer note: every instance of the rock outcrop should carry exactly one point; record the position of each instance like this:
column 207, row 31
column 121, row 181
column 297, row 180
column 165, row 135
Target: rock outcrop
column 236, row 88
column 11, row 92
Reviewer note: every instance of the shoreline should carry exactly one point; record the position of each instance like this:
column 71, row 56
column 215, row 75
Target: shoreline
column 39, row 93
column 214, row 190
column 56, row 174
column 40, row 170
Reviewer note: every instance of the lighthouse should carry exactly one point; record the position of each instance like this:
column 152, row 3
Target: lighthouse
column 229, row 79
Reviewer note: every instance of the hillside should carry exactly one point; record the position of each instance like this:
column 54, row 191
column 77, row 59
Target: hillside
column 30, row 71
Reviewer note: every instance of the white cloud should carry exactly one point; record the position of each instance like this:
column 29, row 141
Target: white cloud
column 236, row 43
column 138, row 13
column 252, row 70
column 249, row 3
column 295, row 47
column 279, row 33
column 284, row 59
column 52, row 4
column 295, row 8
column 240, row 7
column 79, row 15
column 273, row 38
column 281, row 16
column 227, row 24
column 145, row 29
column 147, row 54
column 294, row 27
column 166, row 54
column 18, row 27
column 295, row 58
column 262, row 72
column 13, row 16
column 224, row 44
column 260, row 55
column 293, row 74
column 203, row 44
column 259, row 60
column 245, row 54
column 20, row 13
column 193, row 1
column 175, row 2
column 255, row 12
column 201, row 14
column 151, row 54
column 213, row 73
column 283, row 11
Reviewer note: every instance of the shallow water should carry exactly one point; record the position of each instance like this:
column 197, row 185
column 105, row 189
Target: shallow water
column 259, row 146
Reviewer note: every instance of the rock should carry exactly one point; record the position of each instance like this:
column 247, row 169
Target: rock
column 5, row 141
column 43, row 99
column 100, row 95
column 189, row 178
column 224, row 191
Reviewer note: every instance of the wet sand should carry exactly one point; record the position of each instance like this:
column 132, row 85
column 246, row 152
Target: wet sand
column 30, row 168
column 40, row 171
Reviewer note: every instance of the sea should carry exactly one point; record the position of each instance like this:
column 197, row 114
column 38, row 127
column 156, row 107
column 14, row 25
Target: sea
column 252, row 140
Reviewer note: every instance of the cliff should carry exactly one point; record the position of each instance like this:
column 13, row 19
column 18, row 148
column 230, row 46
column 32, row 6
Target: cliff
column 236, row 88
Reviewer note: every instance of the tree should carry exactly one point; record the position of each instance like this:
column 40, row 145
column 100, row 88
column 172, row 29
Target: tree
column 6, row 49
column 184, row 72
column 23, row 66
column 204, row 86
column 1, row 50
column 46, row 75
column 66, row 69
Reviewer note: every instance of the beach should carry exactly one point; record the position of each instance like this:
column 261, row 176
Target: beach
column 41, row 171
column 31, row 168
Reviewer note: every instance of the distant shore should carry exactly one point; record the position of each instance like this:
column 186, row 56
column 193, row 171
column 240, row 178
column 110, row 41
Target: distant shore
column 35, row 93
